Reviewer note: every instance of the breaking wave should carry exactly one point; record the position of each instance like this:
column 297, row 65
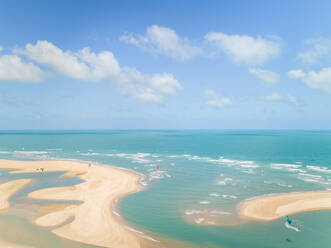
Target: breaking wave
column 319, row 168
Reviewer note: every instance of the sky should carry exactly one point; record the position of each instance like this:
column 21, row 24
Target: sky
column 165, row 64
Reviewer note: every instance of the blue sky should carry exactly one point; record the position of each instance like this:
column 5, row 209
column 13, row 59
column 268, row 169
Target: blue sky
column 165, row 64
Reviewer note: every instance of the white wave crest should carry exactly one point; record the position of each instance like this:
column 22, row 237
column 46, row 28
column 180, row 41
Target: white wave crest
column 199, row 220
column 229, row 196
column 224, row 181
column 319, row 168
column 315, row 180
column 158, row 174
column 90, row 154
column 220, row 212
column 192, row 211
column 114, row 212
column 286, row 165
column 309, row 175
column 220, row 160
column 30, row 152
column 140, row 233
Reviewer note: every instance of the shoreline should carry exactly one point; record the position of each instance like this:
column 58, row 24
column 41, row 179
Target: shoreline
column 8, row 189
column 274, row 206
column 93, row 222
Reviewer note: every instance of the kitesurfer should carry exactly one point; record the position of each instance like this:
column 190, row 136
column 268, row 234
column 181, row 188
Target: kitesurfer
column 288, row 220
column 288, row 224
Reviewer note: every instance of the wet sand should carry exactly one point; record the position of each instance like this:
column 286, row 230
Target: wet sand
column 8, row 189
column 4, row 244
column 93, row 222
column 272, row 207
column 47, row 209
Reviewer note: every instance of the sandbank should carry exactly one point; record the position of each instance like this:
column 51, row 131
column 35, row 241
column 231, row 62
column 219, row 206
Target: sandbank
column 272, row 207
column 47, row 209
column 8, row 189
column 92, row 221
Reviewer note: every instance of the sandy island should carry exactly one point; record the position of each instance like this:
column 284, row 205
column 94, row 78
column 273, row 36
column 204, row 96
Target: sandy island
column 92, row 221
column 8, row 189
column 271, row 207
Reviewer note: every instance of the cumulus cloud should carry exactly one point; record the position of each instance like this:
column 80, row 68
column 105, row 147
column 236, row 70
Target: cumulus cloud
column 83, row 65
column 162, row 40
column 296, row 74
column 146, row 88
column 245, row 49
column 12, row 68
column 320, row 80
column 267, row 77
column 95, row 67
column 319, row 49
column 215, row 100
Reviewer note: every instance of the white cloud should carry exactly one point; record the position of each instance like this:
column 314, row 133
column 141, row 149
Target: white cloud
column 241, row 48
column 162, row 40
column 246, row 49
column 277, row 97
column 213, row 99
column 319, row 48
column 95, row 67
column 296, row 74
column 320, row 80
column 83, row 65
column 146, row 88
column 273, row 97
column 165, row 83
column 267, row 77
column 1, row 48
column 12, row 68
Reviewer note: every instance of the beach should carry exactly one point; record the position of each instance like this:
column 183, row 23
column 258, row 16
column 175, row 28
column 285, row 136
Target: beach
column 93, row 221
column 272, row 207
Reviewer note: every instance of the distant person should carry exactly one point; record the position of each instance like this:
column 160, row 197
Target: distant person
column 288, row 220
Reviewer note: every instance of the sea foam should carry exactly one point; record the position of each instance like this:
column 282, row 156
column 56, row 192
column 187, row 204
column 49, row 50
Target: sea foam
column 319, row 169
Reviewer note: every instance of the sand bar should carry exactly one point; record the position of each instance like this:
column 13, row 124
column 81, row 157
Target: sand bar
column 93, row 222
column 47, row 209
column 271, row 207
column 8, row 189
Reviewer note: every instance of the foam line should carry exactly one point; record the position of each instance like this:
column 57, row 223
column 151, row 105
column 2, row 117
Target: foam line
column 292, row 227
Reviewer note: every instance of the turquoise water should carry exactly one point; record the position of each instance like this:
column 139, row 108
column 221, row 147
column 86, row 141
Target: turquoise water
column 201, row 172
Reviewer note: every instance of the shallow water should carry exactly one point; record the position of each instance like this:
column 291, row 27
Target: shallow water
column 199, row 171
column 18, row 230
column 17, row 226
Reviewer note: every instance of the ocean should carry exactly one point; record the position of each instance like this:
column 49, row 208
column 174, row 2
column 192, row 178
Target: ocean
column 202, row 177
